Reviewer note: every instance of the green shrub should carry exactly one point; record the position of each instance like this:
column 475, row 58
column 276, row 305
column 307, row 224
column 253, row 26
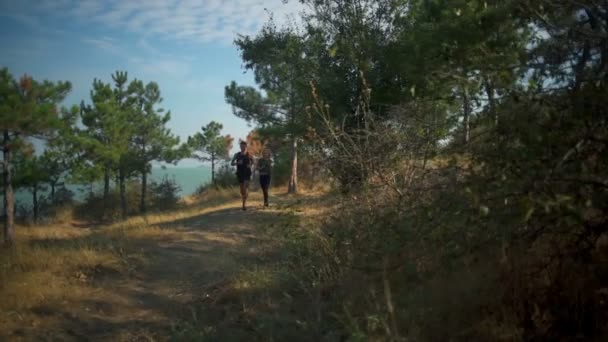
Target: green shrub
column 165, row 194
column 225, row 177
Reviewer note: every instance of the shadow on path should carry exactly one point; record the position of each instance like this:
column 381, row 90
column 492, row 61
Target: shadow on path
column 146, row 303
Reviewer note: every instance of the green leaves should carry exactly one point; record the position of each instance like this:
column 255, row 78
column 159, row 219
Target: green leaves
column 332, row 51
column 249, row 104
column 210, row 143
column 29, row 107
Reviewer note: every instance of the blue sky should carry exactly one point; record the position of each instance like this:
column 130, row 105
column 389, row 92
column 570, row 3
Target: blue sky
column 184, row 45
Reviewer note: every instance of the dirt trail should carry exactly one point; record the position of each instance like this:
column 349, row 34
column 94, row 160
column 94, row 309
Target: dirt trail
column 157, row 297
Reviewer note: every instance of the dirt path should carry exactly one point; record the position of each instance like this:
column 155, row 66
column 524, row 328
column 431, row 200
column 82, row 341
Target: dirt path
column 179, row 279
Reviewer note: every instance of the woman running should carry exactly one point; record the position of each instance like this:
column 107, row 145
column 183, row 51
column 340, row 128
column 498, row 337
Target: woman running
column 264, row 165
column 243, row 162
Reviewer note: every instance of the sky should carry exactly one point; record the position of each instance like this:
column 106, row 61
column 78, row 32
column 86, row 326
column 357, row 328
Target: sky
column 186, row 46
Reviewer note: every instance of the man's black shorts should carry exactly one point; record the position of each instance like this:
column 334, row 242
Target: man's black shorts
column 243, row 176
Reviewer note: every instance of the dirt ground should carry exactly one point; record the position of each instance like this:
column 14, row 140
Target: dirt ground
column 174, row 283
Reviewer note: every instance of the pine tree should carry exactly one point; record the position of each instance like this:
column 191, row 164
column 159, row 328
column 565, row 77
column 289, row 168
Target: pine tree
column 28, row 109
column 32, row 175
column 108, row 133
column 210, row 145
column 152, row 140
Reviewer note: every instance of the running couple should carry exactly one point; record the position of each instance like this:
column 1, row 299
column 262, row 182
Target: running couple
column 244, row 162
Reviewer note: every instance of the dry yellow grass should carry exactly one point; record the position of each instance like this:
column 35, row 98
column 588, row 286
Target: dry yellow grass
column 65, row 269
column 47, row 264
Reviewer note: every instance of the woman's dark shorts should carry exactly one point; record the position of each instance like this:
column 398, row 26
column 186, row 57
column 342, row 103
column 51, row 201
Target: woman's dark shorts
column 264, row 181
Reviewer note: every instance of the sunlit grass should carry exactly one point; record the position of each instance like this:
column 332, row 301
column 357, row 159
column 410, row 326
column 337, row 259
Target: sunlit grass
column 55, row 231
column 49, row 263
column 257, row 277
column 60, row 266
column 46, row 266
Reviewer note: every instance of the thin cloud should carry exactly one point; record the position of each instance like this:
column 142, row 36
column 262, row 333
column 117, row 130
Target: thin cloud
column 105, row 43
column 191, row 20
column 167, row 67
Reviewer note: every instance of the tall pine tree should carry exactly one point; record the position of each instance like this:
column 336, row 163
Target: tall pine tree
column 28, row 109
column 152, row 140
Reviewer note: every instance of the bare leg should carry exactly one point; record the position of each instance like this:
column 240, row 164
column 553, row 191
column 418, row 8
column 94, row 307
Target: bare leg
column 242, row 188
column 265, row 190
column 244, row 193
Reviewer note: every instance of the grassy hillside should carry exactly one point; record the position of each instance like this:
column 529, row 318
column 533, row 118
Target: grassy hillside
column 207, row 269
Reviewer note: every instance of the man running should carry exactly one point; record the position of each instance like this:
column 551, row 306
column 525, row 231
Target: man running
column 243, row 162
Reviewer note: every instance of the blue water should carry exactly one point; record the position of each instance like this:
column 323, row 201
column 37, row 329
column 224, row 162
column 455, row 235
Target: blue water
column 188, row 179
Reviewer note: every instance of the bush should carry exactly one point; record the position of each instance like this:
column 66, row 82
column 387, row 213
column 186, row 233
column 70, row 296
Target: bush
column 164, row 194
column 225, row 177
column 95, row 208
column 499, row 238
column 63, row 196
column 161, row 196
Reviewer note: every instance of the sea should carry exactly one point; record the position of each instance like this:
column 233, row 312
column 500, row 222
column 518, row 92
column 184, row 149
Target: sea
column 188, row 179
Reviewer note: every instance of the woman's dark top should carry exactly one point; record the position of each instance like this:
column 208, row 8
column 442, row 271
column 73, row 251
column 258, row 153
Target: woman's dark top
column 264, row 166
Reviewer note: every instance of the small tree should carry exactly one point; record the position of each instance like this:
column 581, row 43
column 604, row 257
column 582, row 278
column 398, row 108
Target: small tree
column 61, row 155
column 210, row 145
column 106, row 132
column 28, row 109
column 152, row 140
column 32, row 174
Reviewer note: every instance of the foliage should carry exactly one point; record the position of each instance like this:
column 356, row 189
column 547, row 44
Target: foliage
column 63, row 197
column 468, row 138
column 165, row 194
column 209, row 145
column 28, row 109
column 152, row 140
column 32, row 175
column 225, row 178
column 280, row 65
column 255, row 145
column 106, row 136
column 124, row 133
column 100, row 207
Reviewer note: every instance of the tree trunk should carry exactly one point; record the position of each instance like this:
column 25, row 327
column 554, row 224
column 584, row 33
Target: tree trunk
column 123, row 193
column 293, row 180
column 106, row 183
column 313, row 172
column 106, row 188
column 9, row 200
column 491, row 101
column 35, row 201
column 466, row 115
column 144, row 189
column 212, row 168
column 53, row 192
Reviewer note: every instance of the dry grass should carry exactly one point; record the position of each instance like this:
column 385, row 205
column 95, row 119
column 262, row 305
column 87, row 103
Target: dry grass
column 63, row 214
column 45, row 259
column 60, row 266
column 212, row 197
column 257, row 278
column 50, row 264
